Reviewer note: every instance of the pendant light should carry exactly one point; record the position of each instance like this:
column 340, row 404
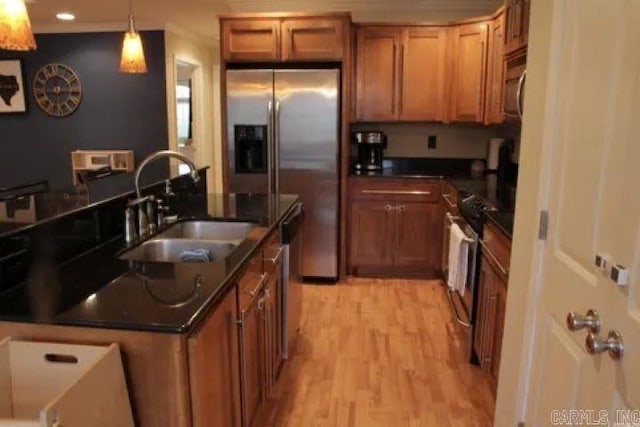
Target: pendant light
column 15, row 27
column 132, row 59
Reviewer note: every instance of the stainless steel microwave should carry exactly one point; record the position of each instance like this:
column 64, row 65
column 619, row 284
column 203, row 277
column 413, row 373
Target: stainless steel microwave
column 515, row 77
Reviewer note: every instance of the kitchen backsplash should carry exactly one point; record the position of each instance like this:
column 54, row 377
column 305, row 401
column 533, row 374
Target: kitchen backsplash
column 452, row 141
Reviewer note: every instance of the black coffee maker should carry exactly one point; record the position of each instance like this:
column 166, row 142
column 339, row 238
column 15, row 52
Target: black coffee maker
column 370, row 147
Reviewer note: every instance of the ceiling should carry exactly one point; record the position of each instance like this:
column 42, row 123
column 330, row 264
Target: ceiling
column 199, row 17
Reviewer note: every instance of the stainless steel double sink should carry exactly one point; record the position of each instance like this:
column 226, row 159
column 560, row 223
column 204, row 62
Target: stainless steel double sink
column 191, row 241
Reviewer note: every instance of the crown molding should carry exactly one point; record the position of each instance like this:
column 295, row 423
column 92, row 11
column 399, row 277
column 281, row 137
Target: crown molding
column 190, row 35
column 97, row 27
column 366, row 5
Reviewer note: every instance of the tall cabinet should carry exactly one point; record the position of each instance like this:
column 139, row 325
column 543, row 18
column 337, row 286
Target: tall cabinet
column 377, row 72
column 469, row 72
column 495, row 76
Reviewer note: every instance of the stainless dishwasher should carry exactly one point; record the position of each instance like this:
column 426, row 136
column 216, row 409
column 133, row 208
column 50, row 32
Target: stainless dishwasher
column 291, row 235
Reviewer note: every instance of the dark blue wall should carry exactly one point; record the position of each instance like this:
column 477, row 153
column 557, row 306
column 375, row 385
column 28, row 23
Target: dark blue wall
column 118, row 111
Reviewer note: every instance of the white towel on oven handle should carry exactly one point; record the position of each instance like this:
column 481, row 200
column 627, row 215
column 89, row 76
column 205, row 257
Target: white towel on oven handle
column 458, row 259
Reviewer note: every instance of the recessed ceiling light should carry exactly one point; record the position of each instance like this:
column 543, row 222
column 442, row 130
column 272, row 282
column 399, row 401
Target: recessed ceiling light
column 65, row 16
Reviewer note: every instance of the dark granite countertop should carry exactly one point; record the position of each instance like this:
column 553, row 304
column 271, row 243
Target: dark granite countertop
column 504, row 220
column 36, row 209
column 98, row 290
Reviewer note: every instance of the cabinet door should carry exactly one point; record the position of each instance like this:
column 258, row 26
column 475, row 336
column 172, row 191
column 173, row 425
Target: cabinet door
column 480, row 325
column 418, row 237
column 250, row 40
column 517, row 22
column 377, row 72
column 371, row 223
column 213, row 368
column 495, row 78
column 253, row 358
column 469, row 59
column 524, row 23
column 273, row 328
column 423, row 61
column 500, row 292
column 312, row 39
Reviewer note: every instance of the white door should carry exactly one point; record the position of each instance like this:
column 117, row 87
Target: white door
column 592, row 155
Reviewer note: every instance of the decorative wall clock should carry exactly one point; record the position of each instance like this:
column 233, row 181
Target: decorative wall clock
column 57, row 89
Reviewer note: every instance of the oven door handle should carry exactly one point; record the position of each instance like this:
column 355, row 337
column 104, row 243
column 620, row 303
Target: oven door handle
column 454, row 309
column 452, row 220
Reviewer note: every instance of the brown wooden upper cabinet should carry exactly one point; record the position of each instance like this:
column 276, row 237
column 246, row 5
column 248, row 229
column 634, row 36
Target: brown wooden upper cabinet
column 423, row 63
column 284, row 39
column 312, row 39
column 495, row 78
column 517, row 24
column 469, row 51
column 377, row 73
column 400, row 73
column 250, row 40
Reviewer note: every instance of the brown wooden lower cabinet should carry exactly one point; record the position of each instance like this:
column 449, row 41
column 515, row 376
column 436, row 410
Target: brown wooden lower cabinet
column 371, row 226
column 252, row 359
column 395, row 227
column 273, row 329
column 218, row 375
column 417, row 234
column 214, row 370
column 492, row 300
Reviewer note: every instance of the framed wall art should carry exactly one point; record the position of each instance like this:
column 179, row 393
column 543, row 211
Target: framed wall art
column 12, row 90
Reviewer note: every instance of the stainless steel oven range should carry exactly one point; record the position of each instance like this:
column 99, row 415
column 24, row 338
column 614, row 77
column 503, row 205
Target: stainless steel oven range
column 471, row 221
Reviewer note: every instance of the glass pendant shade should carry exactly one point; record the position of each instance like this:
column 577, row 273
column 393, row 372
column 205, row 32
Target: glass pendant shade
column 15, row 27
column 132, row 59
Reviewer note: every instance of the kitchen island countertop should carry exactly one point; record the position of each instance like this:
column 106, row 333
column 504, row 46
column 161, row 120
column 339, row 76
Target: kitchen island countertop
column 97, row 289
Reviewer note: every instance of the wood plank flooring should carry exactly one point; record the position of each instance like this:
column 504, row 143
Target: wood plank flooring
column 376, row 352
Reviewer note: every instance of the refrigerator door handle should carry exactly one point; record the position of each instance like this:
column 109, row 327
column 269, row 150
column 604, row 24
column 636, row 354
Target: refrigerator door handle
column 276, row 150
column 270, row 149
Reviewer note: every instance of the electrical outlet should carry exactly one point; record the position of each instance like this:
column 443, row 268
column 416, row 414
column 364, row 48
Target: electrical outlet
column 433, row 142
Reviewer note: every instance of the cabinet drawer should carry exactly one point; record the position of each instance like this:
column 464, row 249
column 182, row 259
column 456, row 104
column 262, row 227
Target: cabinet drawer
column 497, row 248
column 395, row 190
column 251, row 281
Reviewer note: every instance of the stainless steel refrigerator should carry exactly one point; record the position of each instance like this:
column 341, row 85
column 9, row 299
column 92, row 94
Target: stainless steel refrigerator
column 283, row 137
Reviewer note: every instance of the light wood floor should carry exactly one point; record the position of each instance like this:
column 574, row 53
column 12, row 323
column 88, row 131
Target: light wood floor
column 380, row 353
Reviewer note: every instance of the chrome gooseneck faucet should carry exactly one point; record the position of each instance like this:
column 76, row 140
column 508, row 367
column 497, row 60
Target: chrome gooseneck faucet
column 160, row 155
column 147, row 205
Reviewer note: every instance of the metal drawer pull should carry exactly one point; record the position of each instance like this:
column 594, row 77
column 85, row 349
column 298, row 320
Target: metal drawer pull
column 455, row 310
column 405, row 192
column 503, row 270
column 452, row 218
column 276, row 259
column 447, row 199
column 263, row 278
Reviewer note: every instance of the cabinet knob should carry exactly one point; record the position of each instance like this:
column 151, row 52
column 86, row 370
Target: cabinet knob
column 388, row 208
